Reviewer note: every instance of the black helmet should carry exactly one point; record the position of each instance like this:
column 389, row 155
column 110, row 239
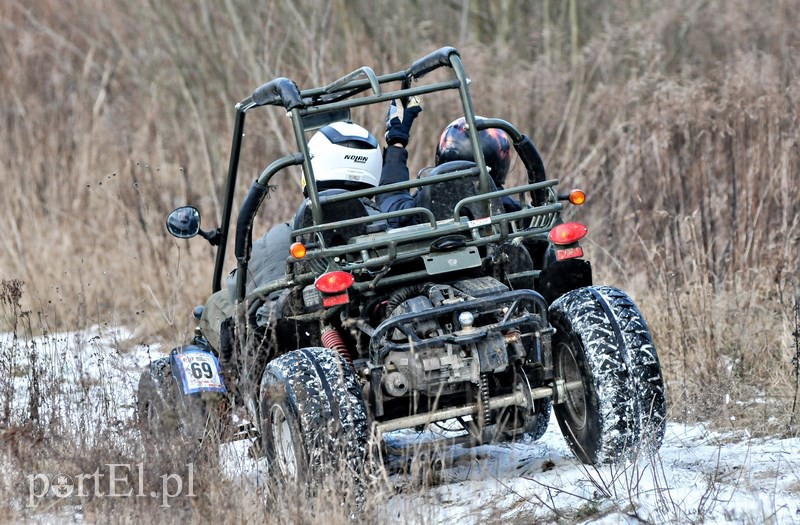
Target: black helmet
column 454, row 144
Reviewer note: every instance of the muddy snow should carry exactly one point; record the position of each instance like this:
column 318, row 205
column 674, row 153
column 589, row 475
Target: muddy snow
column 698, row 475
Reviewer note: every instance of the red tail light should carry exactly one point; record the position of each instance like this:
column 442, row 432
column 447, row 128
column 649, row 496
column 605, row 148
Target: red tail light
column 567, row 233
column 334, row 282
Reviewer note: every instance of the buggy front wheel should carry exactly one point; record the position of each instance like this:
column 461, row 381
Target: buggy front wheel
column 184, row 428
column 313, row 418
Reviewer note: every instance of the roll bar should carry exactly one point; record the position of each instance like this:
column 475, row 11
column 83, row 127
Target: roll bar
column 298, row 103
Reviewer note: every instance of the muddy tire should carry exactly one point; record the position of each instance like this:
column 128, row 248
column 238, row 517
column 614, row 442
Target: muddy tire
column 174, row 426
column 536, row 425
column 313, row 418
column 524, row 425
column 603, row 348
column 647, row 382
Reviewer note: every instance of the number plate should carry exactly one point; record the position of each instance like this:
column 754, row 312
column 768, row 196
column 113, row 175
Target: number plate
column 451, row 261
column 199, row 371
column 569, row 253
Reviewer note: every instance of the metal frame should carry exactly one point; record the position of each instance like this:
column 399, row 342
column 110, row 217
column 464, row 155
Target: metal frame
column 396, row 245
column 371, row 256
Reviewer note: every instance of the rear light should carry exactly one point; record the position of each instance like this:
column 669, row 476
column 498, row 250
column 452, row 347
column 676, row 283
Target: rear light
column 567, row 233
column 334, row 282
column 333, row 300
column 577, row 197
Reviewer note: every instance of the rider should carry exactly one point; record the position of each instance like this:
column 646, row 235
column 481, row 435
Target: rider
column 454, row 144
column 343, row 155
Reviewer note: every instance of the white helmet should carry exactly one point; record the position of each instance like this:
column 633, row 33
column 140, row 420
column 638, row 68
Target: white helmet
column 344, row 155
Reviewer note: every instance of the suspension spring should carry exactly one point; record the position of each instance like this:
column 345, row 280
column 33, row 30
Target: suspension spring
column 485, row 399
column 333, row 340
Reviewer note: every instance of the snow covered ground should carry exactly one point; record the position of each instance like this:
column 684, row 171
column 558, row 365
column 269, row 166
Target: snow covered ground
column 699, row 475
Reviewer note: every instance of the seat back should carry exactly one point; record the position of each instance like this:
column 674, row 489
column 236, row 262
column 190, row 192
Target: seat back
column 441, row 198
column 332, row 212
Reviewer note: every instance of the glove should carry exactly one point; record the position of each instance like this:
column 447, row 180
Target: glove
column 397, row 129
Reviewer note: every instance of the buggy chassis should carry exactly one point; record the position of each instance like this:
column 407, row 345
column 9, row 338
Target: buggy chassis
column 389, row 249
column 464, row 340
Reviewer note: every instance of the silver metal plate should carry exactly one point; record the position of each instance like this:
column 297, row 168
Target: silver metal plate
column 452, row 261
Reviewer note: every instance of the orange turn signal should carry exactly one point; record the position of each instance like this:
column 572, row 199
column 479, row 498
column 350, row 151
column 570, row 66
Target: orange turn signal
column 577, row 197
column 297, row 250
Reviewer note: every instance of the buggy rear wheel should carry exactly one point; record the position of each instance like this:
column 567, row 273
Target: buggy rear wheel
column 614, row 402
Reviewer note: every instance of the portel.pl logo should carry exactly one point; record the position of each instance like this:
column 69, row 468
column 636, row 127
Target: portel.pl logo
column 114, row 484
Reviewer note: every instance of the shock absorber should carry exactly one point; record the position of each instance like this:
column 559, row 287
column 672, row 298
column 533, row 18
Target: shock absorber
column 487, row 413
column 333, row 340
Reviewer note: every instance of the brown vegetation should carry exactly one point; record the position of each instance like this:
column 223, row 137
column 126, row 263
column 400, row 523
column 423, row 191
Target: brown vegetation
column 679, row 119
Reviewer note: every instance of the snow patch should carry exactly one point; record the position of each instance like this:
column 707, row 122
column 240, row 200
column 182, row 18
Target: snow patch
column 698, row 475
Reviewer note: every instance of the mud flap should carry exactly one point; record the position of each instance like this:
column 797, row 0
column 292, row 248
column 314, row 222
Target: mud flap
column 564, row 276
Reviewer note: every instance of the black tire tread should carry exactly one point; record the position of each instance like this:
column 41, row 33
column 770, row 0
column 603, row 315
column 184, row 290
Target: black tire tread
column 643, row 362
column 607, row 373
column 327, row 401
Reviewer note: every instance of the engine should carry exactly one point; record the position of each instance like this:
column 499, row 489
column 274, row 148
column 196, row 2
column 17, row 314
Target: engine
column 448, row 337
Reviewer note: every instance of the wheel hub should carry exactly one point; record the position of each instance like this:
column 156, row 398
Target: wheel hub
column 285, row 454
column 574, row 398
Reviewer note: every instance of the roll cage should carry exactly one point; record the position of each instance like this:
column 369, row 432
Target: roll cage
column 372, row 255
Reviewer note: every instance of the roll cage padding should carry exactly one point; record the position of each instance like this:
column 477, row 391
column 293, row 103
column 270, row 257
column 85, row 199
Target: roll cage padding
column 435, row 60
column 526, row 149
column 250, row 205
column 533, row 165
column 280, row 91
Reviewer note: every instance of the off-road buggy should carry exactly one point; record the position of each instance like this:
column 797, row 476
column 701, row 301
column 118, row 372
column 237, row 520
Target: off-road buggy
column 476, row 316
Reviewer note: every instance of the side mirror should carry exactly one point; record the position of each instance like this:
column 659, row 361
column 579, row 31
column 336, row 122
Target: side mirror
column 184, row 222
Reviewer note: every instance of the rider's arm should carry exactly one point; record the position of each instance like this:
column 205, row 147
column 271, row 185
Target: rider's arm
column 395, row 159
column 395, row 169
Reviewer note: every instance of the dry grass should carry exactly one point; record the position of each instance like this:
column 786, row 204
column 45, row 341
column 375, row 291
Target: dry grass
column 680, row 120
column 66, row 411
